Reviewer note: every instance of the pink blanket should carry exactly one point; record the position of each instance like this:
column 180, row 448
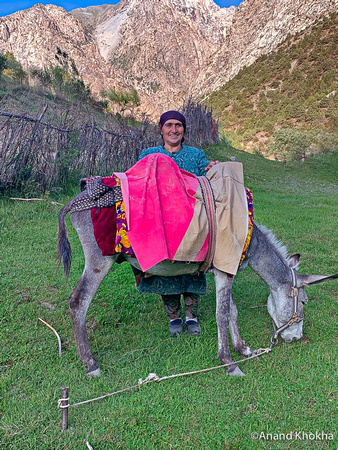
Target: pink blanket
column 167, row 218
column 160, row 207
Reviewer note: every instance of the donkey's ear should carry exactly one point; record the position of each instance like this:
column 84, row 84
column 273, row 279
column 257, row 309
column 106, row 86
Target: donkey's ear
column 294, row 261
column 307, row 280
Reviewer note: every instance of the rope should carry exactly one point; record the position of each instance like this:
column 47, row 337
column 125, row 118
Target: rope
column 153, row 377
column 210, row 209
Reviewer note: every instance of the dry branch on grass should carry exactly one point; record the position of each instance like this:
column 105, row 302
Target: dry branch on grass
column 55, row 332
column 35, row 200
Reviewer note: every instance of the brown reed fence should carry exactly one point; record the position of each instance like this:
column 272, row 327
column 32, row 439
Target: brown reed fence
column 39, row 155
column 202, row 128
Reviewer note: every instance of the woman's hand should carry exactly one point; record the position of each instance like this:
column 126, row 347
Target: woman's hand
column 211, row 164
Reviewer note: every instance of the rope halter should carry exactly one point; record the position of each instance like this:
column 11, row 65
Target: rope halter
column 295, row 318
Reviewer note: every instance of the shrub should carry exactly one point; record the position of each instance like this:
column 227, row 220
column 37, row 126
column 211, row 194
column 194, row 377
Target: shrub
column 123, row 99
column 13, row 69
column 290, row 144
column 61, row 82
column 3, row 63
column 295, row 144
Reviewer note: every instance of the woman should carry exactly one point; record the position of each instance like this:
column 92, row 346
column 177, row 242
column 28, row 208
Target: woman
column 172, row 127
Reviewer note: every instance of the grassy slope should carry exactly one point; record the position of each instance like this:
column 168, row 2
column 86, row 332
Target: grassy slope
column 291, row 389
column 289, row 87
column 62, row 110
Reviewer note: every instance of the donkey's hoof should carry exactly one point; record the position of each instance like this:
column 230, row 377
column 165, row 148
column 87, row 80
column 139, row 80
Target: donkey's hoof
column 94, row 373
column 235, row 372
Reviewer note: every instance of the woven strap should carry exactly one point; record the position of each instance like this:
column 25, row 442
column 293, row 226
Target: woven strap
column 209, row 204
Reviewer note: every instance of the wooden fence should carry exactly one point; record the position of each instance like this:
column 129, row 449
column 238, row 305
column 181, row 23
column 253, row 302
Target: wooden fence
column 33, row 152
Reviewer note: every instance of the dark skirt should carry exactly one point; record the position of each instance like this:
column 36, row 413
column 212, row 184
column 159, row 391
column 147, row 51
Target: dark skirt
column 195, row 284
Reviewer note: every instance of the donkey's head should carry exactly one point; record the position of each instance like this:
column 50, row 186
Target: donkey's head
column 287, row 300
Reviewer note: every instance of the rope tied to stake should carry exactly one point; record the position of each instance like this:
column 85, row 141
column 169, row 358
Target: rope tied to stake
column 61, row 400
column 154, row 377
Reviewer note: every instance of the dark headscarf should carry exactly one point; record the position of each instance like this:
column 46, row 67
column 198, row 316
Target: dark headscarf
column 172, row 115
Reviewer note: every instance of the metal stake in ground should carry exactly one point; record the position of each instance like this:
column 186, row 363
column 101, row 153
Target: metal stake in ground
column 64, row 405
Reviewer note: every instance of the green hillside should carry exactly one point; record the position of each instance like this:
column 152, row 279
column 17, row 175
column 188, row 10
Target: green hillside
column 294, row 86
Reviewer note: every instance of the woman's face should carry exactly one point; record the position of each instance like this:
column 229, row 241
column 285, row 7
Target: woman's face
column 172, row 132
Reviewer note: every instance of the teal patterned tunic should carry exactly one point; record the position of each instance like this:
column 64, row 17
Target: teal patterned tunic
column 192, row 160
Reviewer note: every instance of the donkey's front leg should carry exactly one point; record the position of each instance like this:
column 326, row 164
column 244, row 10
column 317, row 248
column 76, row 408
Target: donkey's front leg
column 223, row 294
column 238, row 344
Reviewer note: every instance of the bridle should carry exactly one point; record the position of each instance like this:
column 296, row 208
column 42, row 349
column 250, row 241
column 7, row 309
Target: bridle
column 295, row 318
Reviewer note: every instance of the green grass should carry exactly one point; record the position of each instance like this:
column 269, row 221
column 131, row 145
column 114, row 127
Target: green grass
column 291, row 389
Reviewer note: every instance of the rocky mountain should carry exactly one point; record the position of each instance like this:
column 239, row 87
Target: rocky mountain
column 35, row 35
column 167, row 49
column 158, row 47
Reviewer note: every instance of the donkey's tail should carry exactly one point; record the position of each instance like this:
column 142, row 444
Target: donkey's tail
column 63, row 247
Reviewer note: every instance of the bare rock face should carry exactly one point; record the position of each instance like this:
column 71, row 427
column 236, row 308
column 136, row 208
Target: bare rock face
column 33, row 36
column 168, row 50
column 158, row 47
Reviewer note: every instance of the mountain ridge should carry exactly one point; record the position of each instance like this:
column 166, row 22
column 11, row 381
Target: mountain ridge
column 168, row 51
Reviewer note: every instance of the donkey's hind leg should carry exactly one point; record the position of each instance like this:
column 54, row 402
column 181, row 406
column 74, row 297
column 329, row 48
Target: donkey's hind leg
column 96, row 268
column 238, row 344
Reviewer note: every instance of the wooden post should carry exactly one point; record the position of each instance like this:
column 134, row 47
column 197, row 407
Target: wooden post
column 65, row 402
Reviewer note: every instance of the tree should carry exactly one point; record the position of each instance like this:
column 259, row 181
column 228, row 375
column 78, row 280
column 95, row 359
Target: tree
column 61, row 82
column 124, row 99
column 3, row 63
column 43, row 76
column 14, row 69
column 291, row 144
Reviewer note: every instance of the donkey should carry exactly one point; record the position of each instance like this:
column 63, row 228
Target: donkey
column 265, row 255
